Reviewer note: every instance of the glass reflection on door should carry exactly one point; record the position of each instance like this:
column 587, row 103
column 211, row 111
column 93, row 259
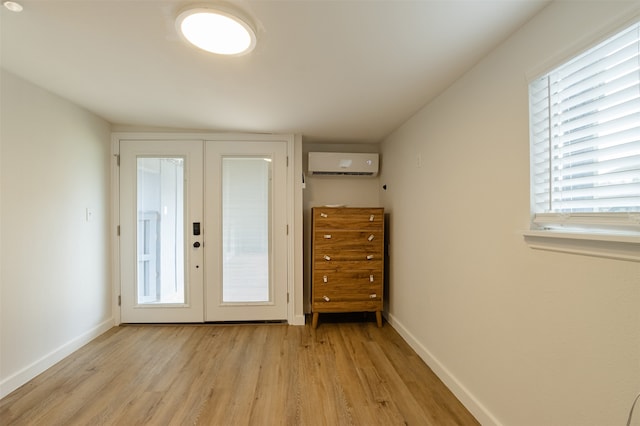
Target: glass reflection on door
column 246, row 228
column 160, row 231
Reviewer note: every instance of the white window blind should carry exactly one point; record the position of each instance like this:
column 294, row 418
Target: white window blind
column 585, row 139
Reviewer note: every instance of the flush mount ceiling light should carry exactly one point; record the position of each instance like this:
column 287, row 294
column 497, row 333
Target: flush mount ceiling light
column 13, row 6
column 216, row 31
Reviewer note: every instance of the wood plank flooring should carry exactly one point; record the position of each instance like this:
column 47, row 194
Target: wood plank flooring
column 342, row 373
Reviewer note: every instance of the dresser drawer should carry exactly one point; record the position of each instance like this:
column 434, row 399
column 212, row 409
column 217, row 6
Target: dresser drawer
column 349, row 240
column 345, row 293
column 337, row 277
column 334, row 255
column 347, row 306
column 349, row 218
column 344, row 264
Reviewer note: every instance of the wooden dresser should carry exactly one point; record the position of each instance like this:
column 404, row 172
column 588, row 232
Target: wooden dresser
column 347, row 261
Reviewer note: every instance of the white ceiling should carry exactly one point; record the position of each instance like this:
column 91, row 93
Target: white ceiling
column 334, row 71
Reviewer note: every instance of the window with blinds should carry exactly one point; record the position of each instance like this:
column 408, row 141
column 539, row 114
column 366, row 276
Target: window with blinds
column 585, row 139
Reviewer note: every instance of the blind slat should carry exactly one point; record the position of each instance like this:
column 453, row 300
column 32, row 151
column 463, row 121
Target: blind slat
column 614, row 118
column 621, row 137
column 608, row 69
column 602, row 99
column 620, row 177
column 598, row 158
column 596, row 205
column 598, row 192
column 599, row 53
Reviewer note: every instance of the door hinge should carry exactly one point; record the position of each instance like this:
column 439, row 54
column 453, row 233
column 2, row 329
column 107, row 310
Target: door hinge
column 119, row 300
column 287, row 161
column 287, row 297
column 287, row 229
column 118, row 230
column 117, row 159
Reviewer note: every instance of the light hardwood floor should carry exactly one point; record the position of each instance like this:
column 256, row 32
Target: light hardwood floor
column 342, row 373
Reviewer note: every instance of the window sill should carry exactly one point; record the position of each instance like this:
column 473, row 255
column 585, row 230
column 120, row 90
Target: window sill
column 611, row 246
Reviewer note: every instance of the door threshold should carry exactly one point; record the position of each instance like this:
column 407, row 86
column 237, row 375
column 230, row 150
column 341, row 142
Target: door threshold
column 208, row 323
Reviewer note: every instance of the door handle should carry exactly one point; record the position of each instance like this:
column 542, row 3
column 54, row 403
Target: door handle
column 196, row 244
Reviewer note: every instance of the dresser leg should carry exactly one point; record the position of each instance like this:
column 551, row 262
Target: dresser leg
column 379, row 318
column 314, row 321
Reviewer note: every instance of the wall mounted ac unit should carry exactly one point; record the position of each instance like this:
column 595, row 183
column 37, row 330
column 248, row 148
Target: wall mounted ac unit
column 339, row 163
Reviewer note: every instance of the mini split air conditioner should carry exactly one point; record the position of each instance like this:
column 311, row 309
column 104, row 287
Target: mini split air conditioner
column 338, row 163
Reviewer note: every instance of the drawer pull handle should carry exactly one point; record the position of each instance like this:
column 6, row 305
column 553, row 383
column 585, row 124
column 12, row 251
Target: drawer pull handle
column 324, row 215
column 327, row 257
column 369, row 256
column 325, row 279
column 327, row 236
column 326, row 299
column 370, row 278
column 371, row 237
column 373, row 296
column 371, row 218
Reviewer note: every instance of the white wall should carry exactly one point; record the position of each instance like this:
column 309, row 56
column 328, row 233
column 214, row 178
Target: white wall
column 55, row 292
column 524, row 337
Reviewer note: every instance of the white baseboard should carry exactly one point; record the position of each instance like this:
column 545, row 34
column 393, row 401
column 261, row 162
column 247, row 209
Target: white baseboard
column 479, row 411
column 21, row 377
column 298, row 320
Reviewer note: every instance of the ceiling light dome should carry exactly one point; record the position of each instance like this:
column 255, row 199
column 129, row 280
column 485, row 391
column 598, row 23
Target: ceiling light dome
column 13, row 6
column 216, row 31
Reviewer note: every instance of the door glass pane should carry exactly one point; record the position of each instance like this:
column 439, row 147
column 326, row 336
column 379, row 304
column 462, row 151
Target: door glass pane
column 246, row 200
column 160, row 239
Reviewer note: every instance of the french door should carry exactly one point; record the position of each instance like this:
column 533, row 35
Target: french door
column 246, row 222
column 203, row 231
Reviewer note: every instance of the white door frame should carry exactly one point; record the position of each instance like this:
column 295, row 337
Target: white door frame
column 295, row 313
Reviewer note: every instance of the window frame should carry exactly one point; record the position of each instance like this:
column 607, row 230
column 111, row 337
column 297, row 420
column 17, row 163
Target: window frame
column 608, row 234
